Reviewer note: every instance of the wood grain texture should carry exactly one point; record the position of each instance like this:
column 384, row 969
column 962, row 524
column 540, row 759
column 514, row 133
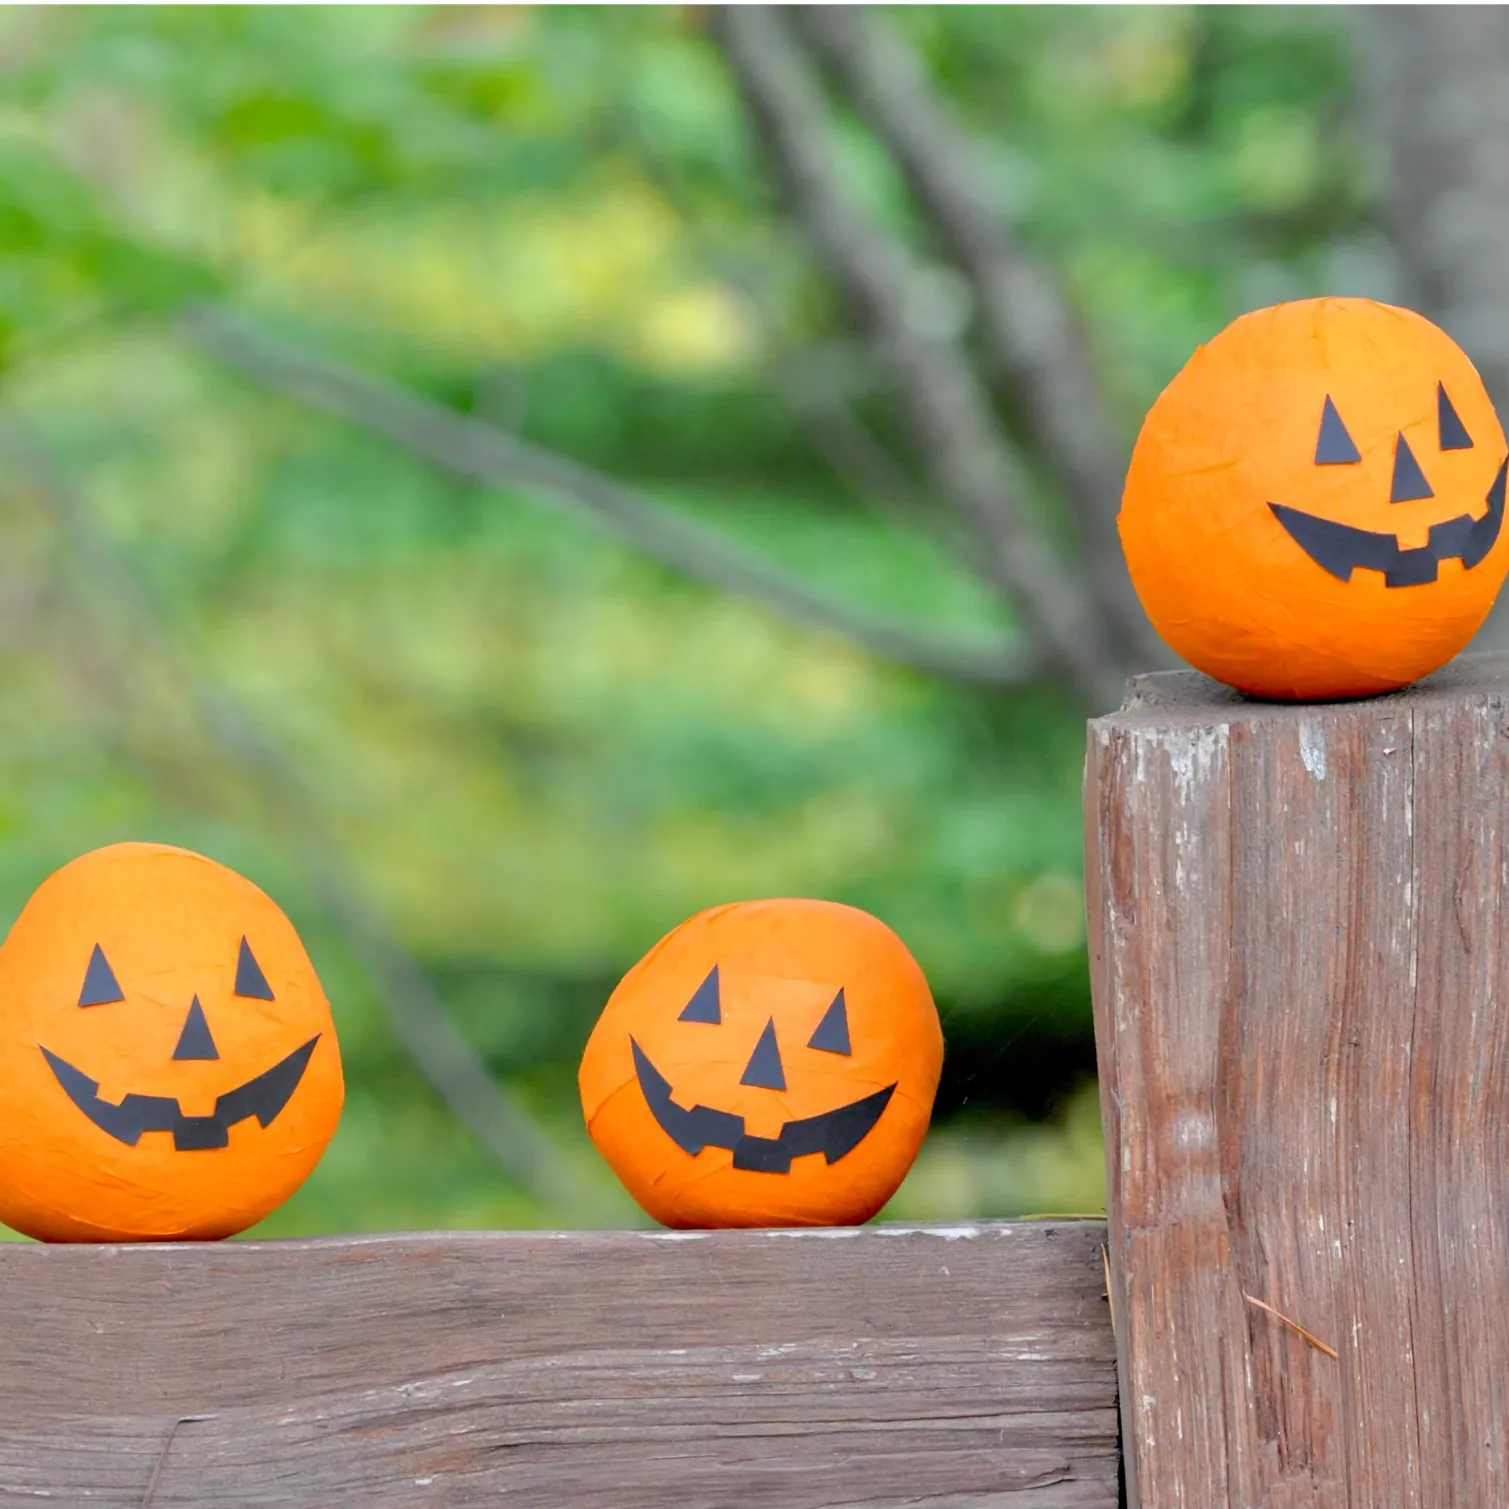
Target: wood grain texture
column 951, row 1367
column 1301, row 980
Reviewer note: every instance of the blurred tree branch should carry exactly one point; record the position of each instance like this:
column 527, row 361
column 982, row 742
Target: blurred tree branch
column 472, row 449
column 940, row 401
column 1435, row 91
column 853, row 454
column 1436, row 83
column 801, row 374
column 131, row 623
column 1031, row 333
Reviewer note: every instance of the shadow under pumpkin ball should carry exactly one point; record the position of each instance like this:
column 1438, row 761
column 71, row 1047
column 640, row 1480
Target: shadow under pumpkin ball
column 768, row 1063
column 1315, row 504
column 168, row 1064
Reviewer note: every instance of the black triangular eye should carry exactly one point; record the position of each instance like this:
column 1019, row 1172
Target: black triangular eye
column 250, row 981
column 705, row 1004
column 1335, row 447
column 832, row 1034
column 1454, row 436
column 100, row 987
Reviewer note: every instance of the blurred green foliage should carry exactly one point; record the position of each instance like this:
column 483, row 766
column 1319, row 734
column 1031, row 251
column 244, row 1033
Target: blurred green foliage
column 540, row 750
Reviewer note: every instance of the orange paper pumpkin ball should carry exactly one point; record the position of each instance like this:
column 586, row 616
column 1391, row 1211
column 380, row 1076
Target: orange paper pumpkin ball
column 768, row 1063
column 1315, row 504
column 168, row 1065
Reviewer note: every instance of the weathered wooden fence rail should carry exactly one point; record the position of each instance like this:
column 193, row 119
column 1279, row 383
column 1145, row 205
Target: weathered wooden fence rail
column 952, row 1367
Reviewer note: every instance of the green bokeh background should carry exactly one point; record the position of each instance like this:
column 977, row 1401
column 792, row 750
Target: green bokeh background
column 539, row 750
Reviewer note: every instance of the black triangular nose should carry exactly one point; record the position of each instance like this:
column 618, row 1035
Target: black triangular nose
column 195, row 1040
column 1409, row 481
column 764, row 1067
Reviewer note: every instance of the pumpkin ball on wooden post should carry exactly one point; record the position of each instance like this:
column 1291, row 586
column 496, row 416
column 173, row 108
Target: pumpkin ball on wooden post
column 168, row 1063
column 1315, row 503
column 768, row 1063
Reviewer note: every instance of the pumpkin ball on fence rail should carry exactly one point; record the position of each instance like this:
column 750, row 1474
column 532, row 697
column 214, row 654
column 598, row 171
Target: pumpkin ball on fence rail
column 168, row 1063
column 1315, row 504
column 767, row 1063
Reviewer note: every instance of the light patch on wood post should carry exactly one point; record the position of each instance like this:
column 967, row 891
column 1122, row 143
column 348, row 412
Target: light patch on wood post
column 1312, row 749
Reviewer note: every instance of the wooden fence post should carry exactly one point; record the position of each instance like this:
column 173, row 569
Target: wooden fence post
column 1299, row 950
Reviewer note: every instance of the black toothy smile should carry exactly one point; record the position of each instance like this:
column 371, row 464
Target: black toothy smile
column 1342, row 548
column 263, row 1097
column 834, row 1133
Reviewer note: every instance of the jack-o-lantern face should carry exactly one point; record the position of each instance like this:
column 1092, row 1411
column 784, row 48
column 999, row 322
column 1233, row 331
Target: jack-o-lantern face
column 770, row 1063
column 168, row 1065
column 1315, row 504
